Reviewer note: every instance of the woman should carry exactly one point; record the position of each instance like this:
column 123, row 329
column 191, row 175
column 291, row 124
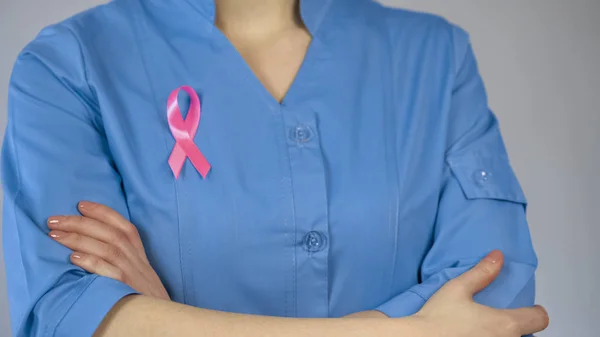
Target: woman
column 316, row 159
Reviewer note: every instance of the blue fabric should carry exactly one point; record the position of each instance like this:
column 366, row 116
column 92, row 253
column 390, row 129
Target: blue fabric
column 380, row 176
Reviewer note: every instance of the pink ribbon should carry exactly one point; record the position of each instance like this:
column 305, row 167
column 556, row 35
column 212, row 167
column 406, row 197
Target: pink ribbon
column 184, row 132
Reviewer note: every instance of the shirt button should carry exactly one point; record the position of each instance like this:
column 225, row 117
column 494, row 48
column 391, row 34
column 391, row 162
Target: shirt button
column 301, row 134
column 314, row 242
column 481, row 177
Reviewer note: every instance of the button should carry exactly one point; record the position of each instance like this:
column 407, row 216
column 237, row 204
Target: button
column 314, row 242
column 301, row 134
column 481, row 177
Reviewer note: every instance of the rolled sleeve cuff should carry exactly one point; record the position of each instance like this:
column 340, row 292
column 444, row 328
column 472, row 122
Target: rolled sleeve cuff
column 90, row 308
column 513, row 288
column 405, row 304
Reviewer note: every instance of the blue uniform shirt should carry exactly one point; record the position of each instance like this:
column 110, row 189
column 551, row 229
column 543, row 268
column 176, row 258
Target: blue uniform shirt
column 380, row 176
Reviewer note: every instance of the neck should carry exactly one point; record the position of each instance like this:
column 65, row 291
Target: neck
column 257, row 18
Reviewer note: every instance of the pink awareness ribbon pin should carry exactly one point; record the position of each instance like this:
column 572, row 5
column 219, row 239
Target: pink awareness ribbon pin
column 184, row 132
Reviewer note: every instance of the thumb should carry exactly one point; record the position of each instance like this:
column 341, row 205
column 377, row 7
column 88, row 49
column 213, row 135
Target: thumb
column 480, row 276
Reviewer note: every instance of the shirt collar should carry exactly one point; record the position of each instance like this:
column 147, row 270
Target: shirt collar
column 312, row 11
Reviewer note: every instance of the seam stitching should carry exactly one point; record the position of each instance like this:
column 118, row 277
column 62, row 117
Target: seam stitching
column 144, row 59
column 77, row 297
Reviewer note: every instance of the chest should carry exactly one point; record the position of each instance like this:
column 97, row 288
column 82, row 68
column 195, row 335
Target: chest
column 275, row 60
column 341, row 169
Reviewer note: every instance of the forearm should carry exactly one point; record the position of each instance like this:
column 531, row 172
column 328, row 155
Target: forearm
column 137, row 316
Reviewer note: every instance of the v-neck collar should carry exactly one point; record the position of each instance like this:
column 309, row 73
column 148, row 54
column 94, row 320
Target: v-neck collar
column 316, row 15
column 312, row 11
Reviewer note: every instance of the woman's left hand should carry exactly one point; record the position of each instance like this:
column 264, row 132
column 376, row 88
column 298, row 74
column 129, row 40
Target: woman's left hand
column 106, row 244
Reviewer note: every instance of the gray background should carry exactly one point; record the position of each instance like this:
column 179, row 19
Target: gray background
column 539, row 59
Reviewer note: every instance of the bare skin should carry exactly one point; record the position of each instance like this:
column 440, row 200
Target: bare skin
column 105, row 243
column 269, row 35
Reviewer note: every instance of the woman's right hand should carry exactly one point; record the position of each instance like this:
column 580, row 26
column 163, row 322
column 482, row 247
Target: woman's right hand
column 452, row 312
column 106, row 244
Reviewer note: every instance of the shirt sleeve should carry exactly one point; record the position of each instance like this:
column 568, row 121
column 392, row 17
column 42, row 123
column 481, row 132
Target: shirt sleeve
column 481, row 206
column 55, row 153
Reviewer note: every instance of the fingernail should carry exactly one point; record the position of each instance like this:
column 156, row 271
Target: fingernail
column 77, row 256
column 57, row 234
column 52, row 222
column 494, row 256
column 84, row 204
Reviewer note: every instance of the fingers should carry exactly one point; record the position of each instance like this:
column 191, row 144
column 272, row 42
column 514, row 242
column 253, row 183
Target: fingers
column 107, row 215
column 89, row 246
column 480, row 276
column 529, row 320
column 95, row 265
column 92, row 229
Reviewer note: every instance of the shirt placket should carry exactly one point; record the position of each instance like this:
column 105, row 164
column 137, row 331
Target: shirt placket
column 311, row 227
